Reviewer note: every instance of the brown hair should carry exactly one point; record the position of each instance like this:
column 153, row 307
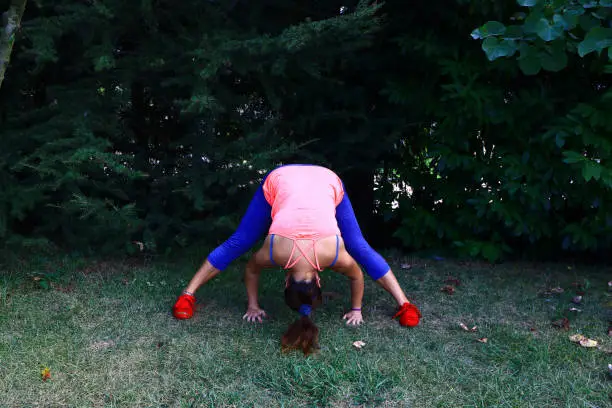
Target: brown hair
column 303, row 334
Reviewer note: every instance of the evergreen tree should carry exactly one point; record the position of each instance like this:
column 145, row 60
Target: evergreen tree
column 150, row 124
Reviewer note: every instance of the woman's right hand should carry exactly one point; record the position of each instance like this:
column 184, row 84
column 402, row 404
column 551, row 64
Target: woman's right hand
column 353, row 318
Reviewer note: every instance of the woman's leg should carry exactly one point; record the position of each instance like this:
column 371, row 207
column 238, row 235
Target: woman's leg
column 205, row 273
column 375, row 265
column 357, row 246
column 252, row 227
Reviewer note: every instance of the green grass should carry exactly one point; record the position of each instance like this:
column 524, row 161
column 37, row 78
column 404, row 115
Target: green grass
column 106, row 333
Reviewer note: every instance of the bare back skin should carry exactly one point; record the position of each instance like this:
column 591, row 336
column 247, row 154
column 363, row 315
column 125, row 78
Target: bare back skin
column 303, row 270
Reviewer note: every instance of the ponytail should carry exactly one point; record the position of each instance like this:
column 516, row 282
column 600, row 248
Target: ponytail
column 303, row 334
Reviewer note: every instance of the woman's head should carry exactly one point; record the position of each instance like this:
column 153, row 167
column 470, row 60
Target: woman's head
column 302, row 297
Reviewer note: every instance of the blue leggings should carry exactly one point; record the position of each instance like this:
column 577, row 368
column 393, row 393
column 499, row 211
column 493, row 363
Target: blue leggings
column 256, row 222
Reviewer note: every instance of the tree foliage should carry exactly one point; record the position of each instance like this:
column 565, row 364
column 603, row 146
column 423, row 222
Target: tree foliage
column 569, row 40
column 547, row 31
column 153, row 121
column 137, row 121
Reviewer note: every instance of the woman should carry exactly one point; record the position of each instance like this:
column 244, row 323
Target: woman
column 298, row 204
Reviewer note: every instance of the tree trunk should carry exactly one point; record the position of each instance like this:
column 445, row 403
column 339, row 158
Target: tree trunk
column 11, row 21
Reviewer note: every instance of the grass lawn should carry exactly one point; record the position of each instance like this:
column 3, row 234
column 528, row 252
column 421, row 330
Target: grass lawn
column 105, row 332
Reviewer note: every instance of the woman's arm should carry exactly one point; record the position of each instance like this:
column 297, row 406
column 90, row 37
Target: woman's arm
column 355, row 276
column 357, row 288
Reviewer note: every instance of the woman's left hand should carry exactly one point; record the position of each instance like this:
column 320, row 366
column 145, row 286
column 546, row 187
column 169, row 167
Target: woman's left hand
column 254, row 314
column 353, row 318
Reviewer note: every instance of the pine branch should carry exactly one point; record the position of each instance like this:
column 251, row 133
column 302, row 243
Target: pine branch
column 11, row 20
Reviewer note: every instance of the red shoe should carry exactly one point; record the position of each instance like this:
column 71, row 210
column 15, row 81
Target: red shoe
column 408, row 314
column 183, row 308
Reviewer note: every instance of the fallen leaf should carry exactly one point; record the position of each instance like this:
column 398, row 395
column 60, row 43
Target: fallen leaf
column 562, row 323
column 448, row 289
column 451, row 280
column 45, row 374
column 101, row 345
column 577, row 299
column 557, row 290
column 576, row 338
column 406, row 266
column 482, row 340
column 358, row 344
column 464, row 327
column 588, row 343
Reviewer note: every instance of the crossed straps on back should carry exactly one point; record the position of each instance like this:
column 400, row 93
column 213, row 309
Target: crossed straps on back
column 291, row 264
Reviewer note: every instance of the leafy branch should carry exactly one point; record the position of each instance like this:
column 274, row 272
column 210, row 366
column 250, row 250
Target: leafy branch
column 547, row 31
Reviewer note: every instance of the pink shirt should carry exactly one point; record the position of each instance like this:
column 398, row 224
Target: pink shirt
column 304, row 200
